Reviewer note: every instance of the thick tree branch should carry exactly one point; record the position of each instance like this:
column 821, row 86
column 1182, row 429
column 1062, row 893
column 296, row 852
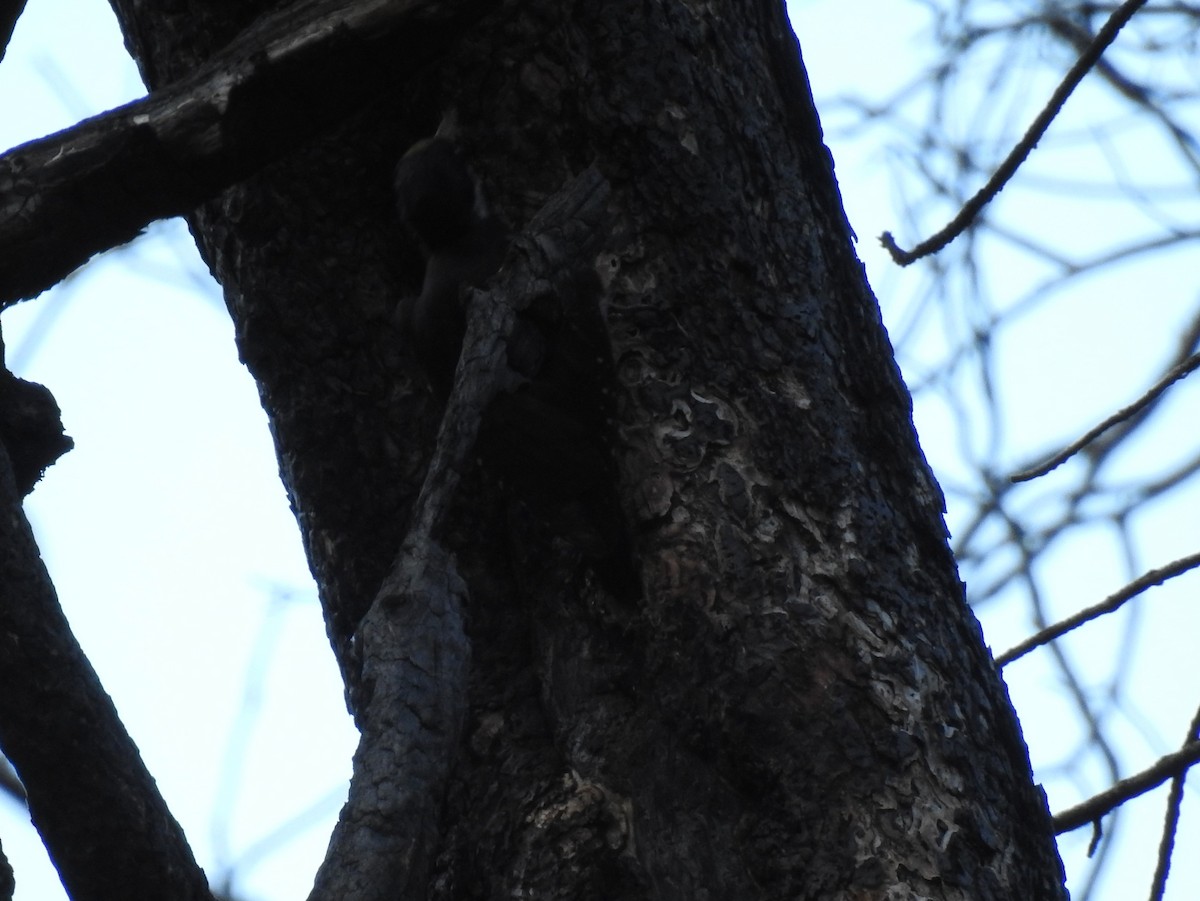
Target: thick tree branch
column 10, row 11
column 414, row 647
column 288, row 77
column 30, row 429
column 97, row 808
column 7, row 884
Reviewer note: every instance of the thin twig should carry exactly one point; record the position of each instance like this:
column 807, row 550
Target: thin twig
column 1185, row 368
column 1021, row 151
column 1105, row 802
column 1166, row 845
column 1108, row 605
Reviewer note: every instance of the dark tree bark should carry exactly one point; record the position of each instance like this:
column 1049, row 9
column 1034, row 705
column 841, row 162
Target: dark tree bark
column 91, row 798
column 799, row 704
column 7, row 884
column 10, row 11
column 73, row 194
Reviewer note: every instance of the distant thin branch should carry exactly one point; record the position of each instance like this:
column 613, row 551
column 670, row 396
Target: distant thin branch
column 236, row 753
column 1175, row 374
column 280, row 837
column 1105, row 36
column 1097, row 806
column 1133, row 91
column 1108, row 605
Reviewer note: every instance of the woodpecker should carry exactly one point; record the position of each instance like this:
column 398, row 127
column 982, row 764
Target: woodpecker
column 441, row 201
column 546, row 436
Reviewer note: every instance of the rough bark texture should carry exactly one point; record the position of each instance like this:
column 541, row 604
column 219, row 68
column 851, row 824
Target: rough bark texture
column 7, row 883
column 800, row 705
column 411, row 696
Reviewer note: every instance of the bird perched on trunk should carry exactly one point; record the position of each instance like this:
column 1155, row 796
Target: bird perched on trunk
column 441, row 201
column 547, row 435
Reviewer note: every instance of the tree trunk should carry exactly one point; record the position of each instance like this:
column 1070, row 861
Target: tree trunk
column 799, row 704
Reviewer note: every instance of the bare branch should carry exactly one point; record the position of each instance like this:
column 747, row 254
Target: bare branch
column 1105, row 802
column 1175, row 374
column 288, row 77
column 1019, row 153
column 1108, row 605
column 1171, row 822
